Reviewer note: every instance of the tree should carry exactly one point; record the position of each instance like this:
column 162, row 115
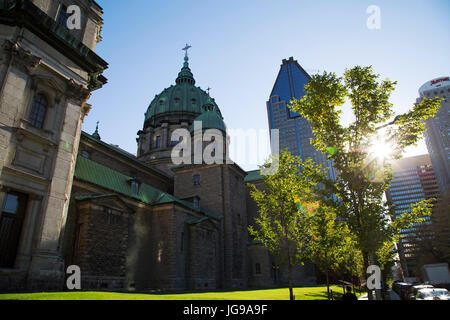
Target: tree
column 285, row 207
column 352, row 264
column 359, row 150
column 330, row 241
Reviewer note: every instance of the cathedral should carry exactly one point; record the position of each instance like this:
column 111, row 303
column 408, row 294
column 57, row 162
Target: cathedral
column 130, row 222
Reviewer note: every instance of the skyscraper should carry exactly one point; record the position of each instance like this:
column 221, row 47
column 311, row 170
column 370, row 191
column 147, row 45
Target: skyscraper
column 437, row 136
column 295, row 131
column 414, row 180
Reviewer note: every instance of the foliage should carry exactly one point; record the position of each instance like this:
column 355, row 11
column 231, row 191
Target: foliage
column 331, row 241
column 362, row 177
column 352, row 263
column 285, row 207
column 415, row 216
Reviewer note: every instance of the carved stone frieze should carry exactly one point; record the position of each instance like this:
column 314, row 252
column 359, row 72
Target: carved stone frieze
column 85, row 109
column 22, row 57
column 77, row 92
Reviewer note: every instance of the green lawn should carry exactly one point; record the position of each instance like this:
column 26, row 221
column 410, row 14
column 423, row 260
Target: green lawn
column 305, row 293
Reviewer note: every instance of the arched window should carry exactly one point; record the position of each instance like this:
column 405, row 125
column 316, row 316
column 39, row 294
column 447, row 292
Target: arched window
column 38, row 111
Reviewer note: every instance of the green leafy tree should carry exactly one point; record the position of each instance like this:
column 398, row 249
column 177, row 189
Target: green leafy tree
column 359, row 150
column 352, row 263
column 330, row 240
column 285, row 207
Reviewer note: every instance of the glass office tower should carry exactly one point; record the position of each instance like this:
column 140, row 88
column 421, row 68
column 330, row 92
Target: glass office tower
column 437, row 136
column 295, row 131
column 414, row 180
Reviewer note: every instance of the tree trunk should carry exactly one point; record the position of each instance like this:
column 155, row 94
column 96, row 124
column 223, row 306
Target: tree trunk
column 328, row 286
column 291, row 290
column 366, row 265
column 377, row 291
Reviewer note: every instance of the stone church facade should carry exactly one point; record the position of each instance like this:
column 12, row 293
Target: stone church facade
column 129, row 222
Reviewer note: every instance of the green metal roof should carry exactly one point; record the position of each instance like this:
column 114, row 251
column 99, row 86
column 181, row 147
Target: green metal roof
column 254, row 175
column 184, row 97
column 126, row 154
column 210, row 120
column 93, row 172
column 94, row 196
column 195, row 220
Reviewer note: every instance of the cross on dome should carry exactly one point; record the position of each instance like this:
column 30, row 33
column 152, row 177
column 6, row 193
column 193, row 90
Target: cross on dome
column 185, row 49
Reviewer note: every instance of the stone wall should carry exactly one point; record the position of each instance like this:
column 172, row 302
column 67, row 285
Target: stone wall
column 204, row 257
column 259, row 277
column 39, row 161
column 101, row 243
column 151, row 254
column 221, row 189
column 239, row 233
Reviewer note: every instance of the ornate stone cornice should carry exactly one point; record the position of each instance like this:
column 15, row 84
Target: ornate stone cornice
column 21, row 56
column 25, row 14
column 85, row 109
column 77, row 92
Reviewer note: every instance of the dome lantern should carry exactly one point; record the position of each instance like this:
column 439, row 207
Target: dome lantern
column 182, row 102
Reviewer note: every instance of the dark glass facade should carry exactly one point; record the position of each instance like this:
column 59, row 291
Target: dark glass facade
column 414, row 180
column 295, row 131
column 437, row 136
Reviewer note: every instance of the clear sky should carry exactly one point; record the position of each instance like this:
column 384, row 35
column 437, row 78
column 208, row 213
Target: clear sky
column 238, row 47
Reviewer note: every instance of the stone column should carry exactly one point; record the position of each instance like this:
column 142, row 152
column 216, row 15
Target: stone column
column 53, row 106
column 149, row 139
column 47, row 265
column 165, row 136
column 26, row 242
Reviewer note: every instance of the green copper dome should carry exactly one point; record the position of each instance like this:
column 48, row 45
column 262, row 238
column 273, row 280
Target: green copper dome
column 210, row 118
column 180, row 102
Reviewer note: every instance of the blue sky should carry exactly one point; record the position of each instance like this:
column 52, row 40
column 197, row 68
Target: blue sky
column 238, row 46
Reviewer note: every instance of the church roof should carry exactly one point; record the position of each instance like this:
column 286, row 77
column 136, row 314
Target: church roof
column 125, row 154
column 93, row 172
column 254, row 175
column 209, row 118
column 182, row 98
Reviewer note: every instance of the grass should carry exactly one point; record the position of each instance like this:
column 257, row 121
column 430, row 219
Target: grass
column 303, row 293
